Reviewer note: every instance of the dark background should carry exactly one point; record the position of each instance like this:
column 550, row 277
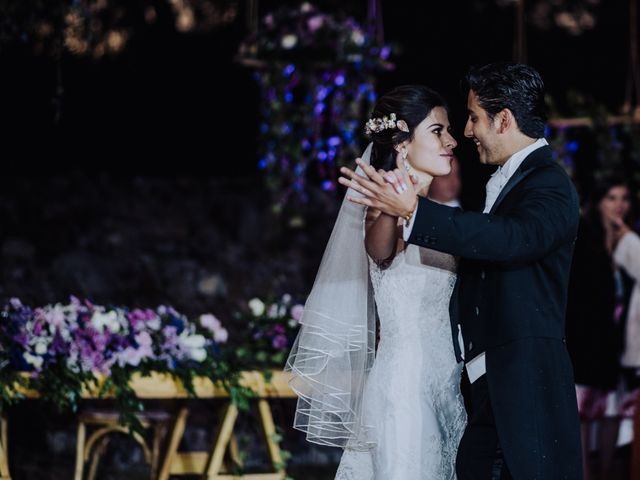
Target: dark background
column 174, row 103
column 133, row 179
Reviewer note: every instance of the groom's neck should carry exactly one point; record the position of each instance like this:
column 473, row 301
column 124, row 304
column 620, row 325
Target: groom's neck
column 514, row 144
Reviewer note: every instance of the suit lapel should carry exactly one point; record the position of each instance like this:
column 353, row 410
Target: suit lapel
column 536, row 159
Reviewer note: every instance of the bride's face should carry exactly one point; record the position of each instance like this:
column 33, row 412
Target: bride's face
column 431, row 149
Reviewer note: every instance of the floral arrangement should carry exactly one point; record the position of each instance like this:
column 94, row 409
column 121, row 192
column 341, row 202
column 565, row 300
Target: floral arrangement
column 316, row 73
column 273, row 327
column 65, row 348
column 306, row 33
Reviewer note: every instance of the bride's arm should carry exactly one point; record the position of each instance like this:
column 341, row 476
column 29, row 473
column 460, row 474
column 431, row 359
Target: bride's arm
column 381, row 235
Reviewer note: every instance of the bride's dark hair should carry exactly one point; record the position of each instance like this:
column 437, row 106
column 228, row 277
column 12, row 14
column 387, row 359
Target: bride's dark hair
column 411, row 103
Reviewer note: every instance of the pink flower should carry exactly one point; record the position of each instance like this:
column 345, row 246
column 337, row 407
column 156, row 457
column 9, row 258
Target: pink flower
column 144, row 339
column 315, row 23
column 296, row 312
column 139, row 318
column 210, row 322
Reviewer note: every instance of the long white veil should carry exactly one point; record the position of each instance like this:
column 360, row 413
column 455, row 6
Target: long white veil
column 335, row 347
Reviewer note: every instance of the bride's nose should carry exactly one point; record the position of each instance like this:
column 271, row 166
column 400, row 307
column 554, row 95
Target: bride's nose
column 450, row 142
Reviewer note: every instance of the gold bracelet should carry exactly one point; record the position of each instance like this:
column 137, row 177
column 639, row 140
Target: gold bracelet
column 409, row 216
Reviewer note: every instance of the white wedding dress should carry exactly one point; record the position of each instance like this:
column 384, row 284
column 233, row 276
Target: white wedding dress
column 412, row 396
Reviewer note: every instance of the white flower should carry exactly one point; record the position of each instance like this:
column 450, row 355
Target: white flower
column 273, row 311
column 357, row 37
column 193, row 345
column 34, row 360
column 130, row 356
column 72, row 364
column 41, row 348
column 257, row 307
column 65, row 333
column 306, row 7
column 192, row 341
column 286, row 299
column 289, row 41
column 221, row 335
column 292, row 323
column 154, row 324
column 199, row 354
column 109, row 320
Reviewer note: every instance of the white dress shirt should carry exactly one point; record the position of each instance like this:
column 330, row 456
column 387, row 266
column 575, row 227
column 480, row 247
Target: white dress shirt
column 476, row 367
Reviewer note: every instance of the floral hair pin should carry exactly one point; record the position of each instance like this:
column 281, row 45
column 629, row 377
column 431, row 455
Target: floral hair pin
column 377, row 125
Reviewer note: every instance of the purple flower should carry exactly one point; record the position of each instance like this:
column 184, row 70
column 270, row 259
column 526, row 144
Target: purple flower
column 279, row 342
column 37, row 327
column 315, row 23
column 22, row 339
column 58, row 345
column 137, row 318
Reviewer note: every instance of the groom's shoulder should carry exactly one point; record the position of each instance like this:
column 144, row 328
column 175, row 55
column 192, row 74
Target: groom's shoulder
column 551, row 169
column 551, row 176
column 546, row 169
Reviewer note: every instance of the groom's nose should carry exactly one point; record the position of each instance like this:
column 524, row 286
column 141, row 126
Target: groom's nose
column 468, row 130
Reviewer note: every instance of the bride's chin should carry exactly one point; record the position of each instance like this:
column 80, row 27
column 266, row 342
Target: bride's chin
column 442, row 172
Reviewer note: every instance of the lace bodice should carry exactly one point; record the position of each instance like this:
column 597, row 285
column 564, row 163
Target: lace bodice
column 412, row 396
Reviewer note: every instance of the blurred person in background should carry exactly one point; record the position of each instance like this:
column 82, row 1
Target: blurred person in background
column 626, row 257
column 601, row 282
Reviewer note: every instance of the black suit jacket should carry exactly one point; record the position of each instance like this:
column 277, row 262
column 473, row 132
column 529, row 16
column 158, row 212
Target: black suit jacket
column 510, row 299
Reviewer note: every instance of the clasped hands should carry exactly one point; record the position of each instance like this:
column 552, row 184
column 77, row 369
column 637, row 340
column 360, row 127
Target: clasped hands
column 393, row 192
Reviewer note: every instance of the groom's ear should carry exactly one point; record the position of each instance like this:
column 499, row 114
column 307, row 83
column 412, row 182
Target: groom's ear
column 504, row 120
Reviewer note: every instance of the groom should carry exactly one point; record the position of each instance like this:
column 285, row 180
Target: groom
column 508, row 306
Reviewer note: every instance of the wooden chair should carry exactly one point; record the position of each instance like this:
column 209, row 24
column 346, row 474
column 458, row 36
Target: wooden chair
column 103, row 424
column 209, row 465
column 4, row 458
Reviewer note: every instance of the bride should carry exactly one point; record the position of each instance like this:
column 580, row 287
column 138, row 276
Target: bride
column 395, row 408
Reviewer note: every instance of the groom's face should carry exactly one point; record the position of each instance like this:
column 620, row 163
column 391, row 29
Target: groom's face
column 484, row 132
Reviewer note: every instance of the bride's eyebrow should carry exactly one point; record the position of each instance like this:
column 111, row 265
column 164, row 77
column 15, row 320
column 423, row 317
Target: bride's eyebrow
column 439, row 125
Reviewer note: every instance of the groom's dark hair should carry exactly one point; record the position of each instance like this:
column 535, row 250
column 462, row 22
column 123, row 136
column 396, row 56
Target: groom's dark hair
column 515, row 86
column 411, row 103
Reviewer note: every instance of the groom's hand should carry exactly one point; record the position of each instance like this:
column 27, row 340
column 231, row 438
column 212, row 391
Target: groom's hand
column 391, row 192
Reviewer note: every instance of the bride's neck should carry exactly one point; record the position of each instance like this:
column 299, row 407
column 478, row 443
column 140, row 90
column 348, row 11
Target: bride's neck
column 424, row 183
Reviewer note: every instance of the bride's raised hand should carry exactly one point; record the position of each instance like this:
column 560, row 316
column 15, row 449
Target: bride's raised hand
column 392, row 192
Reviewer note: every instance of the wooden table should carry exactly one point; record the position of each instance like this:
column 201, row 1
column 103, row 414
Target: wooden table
column 209, row 464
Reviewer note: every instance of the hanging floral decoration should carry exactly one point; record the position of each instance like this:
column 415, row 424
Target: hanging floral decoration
column 316, row 75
